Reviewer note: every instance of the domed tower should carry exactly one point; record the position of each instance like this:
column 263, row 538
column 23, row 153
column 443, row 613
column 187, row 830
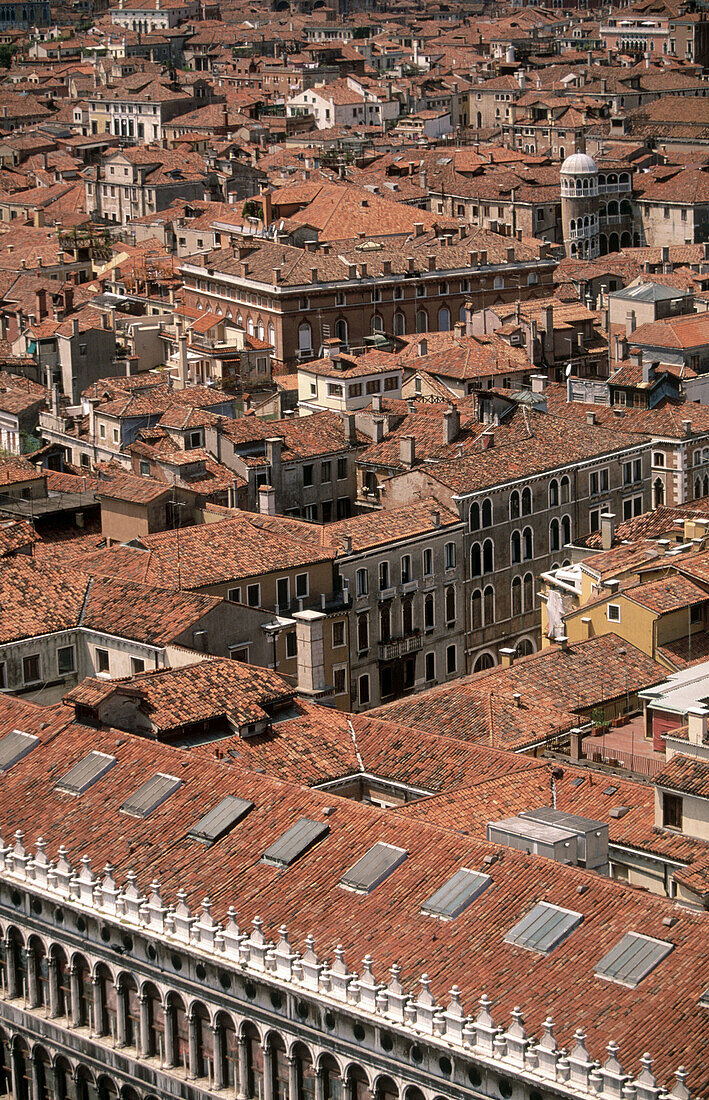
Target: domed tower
column 579, row 206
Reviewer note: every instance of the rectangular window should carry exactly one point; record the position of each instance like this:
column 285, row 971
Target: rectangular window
column 253, row 595
column 334, row 390
column 102, row 661
column 696, row 614
column 102, row 430
column 362, row 582
column 658, row 458
column 450, row 555
column 428, row 563
column 406, row 569
column 384, row 574
column 451, row 658
column 307, row 475
column 30, row 669
column 291, row 644
column 613, row 613
column 430, row 667
column 598, row 481
column 239, row 653
column 391, row 383
column 374, row 386
column 364, row 689
column 326, row 472
column 137, row 665
column 301, row 585
column 115, row 435
column 283, row 592
column 3, row 674
column 339, row 680
column 144, row 469
column 594, row 519
column 338, row 633
column 66, row 661
column 671, row 811
column 234, row 595
column 356, row 389
column 341, row 469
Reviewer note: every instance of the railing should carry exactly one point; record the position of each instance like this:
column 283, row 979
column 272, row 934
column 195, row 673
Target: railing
column 647, row 766
column 400, row 647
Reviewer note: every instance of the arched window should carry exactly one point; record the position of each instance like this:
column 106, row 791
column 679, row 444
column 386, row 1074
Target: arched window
column 475, row 516
column 565, row 530
column 82, row 1004
column 385, row 624
column 565, row 489
column 528, row 592
column 499, row 283
column 260, row 330
column 706, row 485
column 332, row 1083
column 444, row 319
column 422, row 321
column 202, row 1053
column 489, row 604
column 516, row 594
column 475, row 560
column 488, row 556
column 399, row 324
column 250, row 326
column 128, row 992
column 553, row 493
column 514, row 504
column 697, row 487
column 304, row 1072
column 305, row 339
column 38, row 973
column 253, row 1086
column 153, row 1035
column 362, row 632
column 487, row 513
column 240, row 321
column 526, row 502
column 658, row 492
column 476, row 609
column 377, row 324
column 177, row 1050
column 341, row 331
column 62, row 982
column 524, row 647
column 515, row 547
column 553, row 535
column 429, row 612
column 450, row 605
column 407, row 617
column 527, row 544
column 226, row 1054
column 271, row 334
column 484, row 661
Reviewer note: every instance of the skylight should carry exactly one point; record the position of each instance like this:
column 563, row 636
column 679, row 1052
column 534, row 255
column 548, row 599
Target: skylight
column 85, row 772
column 632, row 959
column 220, row 820
column 456, row 894
column 295, row 842
column 15, row 745
column 543, row 928
column 151, row 795
column 373, row 867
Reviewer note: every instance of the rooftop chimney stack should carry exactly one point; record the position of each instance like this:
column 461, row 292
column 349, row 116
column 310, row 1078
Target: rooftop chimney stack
column 607, row 530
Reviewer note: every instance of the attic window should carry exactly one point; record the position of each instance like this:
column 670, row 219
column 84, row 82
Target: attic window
column 456, row 894
column 543, row 928
column 220, row 820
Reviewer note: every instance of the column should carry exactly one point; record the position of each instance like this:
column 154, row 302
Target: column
column 267, row 1072
column 12, row 990
column 120, row 1016
column 218, row 1082
column 242, row 1092
column 169, row 1037
column 293, row 1076
column 193, row 1053
column 53, row 986
column 75, row 996
column 32, row 985
column 319, row 1084
column 98, row 1003
column 36, row 1083
column 16, row 1075
column 144, row 1042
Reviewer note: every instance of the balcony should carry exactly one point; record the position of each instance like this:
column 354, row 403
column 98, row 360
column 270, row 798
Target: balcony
column 387, row 593
column 400, row 647
column 408, row 587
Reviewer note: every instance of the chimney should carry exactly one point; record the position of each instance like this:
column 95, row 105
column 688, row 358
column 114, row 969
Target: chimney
column 40, row 298
column 539, row 383
column 377, row 429
column 507, row 657
column 349, row 425
column 459, row 329
column 697, row 725
column 636, row 357
column 687, row 426
column 331, row 349
column 648, row 370
column 75, row 327
column 267, row 500
column 377, row 403
column 435, row 518
column 407, row 450
column 607, row 530
column 590, row 417
column 431, row 263
column 310, row 640
column 68, row 295
column 665, row 254
column 418, row 229
column 274, row 448
column 451, row 424
column 630, row 322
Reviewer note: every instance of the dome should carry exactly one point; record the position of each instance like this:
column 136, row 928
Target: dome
column 579, row 164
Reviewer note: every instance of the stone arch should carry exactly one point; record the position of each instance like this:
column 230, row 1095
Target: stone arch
column 37, row 971
column 177, row 1031
column 484, row 661
column 43, row 1073
column 201, row 1053
column 226, row 1051
column 525, row 646
column 153, row 1033
column 106, row 1088
column 62, row 980
column 250, row 1035
column 384, row 1087
column 16, row 961
column 613, row 242
column 358, row 1081
column 626, row 240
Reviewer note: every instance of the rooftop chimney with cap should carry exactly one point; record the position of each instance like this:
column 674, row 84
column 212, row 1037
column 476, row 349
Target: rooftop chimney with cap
column 687, row 427
column 590, row 417
column 407, row 448
column 451, row 424
column 267, row 500
column 630, row 322
column 607, row 530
